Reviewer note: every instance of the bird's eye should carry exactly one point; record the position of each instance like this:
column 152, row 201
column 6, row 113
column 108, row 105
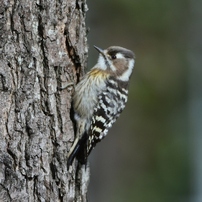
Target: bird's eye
column 113, row 57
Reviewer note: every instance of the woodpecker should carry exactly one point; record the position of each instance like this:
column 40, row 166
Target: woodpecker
column 99, row 98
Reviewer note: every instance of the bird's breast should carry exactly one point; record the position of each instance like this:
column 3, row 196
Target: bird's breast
column 87, row 91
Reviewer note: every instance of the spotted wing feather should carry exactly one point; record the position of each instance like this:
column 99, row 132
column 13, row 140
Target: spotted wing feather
column 111, row 102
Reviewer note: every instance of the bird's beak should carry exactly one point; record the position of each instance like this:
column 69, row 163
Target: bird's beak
column 99, row 50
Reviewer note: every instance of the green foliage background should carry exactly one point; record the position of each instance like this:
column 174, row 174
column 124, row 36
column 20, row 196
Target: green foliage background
column 146, row 156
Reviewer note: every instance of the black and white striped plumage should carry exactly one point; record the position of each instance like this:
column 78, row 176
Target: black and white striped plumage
column 99, row 99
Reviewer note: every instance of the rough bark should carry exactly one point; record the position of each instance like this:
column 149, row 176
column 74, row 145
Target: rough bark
column 43, row 52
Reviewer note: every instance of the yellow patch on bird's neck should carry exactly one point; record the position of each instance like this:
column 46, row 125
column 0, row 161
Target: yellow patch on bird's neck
column 99, row 73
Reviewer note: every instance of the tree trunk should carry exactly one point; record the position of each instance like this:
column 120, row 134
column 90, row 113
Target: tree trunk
column 195, row 97
column 43, row 49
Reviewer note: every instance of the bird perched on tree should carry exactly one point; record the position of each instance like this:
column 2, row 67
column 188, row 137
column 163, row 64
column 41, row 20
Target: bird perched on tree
column 99, row 98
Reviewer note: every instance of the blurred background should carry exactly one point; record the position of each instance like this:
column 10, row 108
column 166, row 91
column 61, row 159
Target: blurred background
column 153, row 152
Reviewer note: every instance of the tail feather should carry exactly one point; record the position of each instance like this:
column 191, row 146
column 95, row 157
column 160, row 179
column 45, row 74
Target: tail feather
column 73, row 152
column 78, row 150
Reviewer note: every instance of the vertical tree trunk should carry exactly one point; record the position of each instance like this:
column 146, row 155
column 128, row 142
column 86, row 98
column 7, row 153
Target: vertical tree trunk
column 195, row 96
column 43, row 52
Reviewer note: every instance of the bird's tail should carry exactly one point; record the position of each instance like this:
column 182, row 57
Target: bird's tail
column 78, row 150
